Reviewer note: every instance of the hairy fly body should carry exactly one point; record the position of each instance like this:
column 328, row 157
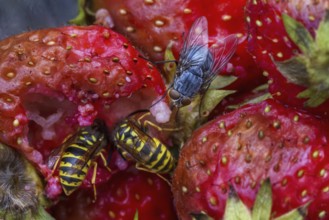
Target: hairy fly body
column 198, row 63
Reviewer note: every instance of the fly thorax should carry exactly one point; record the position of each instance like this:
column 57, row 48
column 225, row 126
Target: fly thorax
column 189, row 82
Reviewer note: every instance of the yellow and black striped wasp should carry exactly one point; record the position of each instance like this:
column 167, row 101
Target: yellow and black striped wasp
column 79, row 152
column 134, row 143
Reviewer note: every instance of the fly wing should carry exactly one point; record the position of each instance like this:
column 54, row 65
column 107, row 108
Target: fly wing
column 195, row 45
column 221, row 53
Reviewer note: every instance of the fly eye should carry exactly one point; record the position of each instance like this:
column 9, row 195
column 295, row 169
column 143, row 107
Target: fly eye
column 174, row 94
column 186, row 101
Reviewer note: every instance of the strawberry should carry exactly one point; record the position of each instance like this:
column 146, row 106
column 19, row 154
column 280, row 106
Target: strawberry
column 288, row 40
column 126, row 193
column 55, row 80
column 152, row 25
column 246, row 146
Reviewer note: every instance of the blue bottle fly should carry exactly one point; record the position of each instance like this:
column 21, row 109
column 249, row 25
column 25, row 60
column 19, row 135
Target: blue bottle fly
column 199, row 64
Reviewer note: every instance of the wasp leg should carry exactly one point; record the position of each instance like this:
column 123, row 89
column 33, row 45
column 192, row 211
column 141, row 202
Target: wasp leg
column 55, row 165
column 105, row 161
column 149, row 123
column 93, row 181
column 140, row 167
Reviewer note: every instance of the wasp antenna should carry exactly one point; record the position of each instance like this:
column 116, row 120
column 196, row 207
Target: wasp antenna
column 137, row 111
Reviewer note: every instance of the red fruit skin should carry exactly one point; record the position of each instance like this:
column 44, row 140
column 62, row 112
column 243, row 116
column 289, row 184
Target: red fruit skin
column 268, row 37
column 125, row 193
column 151, row 25
column 248, row 145
column 73, row 74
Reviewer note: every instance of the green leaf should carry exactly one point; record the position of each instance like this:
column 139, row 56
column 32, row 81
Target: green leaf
column 169, row 67
column 136, row 215
column 263, row 204
column 235, row 209
column 294, row 70
column 298, row 34
column 212, row 98
column 322, row 39
column 295, row 214
column 221, row 81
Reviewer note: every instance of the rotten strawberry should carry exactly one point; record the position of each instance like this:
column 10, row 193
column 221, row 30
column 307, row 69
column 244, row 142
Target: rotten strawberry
column 245, row 147
column 56, row 80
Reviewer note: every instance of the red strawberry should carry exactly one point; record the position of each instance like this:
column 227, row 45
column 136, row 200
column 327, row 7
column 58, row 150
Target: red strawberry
column 126, row 193
column 247, row 146
column 151, row 25
column 297, row 75
column 54, row 80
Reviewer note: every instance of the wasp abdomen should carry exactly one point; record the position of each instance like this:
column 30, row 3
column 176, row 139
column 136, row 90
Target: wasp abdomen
column 133, row 142
column 78, row 155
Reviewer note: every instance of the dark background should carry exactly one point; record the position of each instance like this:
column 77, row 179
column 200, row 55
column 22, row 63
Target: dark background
column 17, row 16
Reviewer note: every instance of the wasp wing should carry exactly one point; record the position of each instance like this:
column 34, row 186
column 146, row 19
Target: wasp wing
column 147, row 142
column 90, row 154
column 195, row 47
column 221, row 53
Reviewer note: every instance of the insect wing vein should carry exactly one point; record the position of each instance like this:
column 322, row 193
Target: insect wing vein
column 196, row 40
column 221, row 55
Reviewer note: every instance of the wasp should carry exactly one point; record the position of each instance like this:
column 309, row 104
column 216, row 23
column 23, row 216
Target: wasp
column 198, row 63
column 133, row 142
column 79, row 152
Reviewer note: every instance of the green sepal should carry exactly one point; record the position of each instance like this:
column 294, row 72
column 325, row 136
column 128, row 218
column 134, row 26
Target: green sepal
column 295, row 214
column 212, row 98
column 136, row 215
column 294, row 70
column 252, row 101
column 188, row 118
column 314, row 97
column 192, row 116
column 235, row 209
column 298, row 34
column 222, row 81
column 201, row 216
column 322, row 39
column 81, row 18
column 263, row 203
column 42, row 214
column 170, row 66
